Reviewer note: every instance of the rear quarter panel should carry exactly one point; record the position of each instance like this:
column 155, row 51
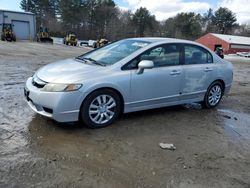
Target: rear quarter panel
column 224, row 72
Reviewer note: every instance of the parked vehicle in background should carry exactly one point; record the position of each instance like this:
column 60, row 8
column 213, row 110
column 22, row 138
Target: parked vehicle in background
column 97, row 43
column 70, row 39
column 101, row 43
column 92, row 43
column 243, row 54
column 43, row 35
column 127, row 76
column 7, row 33
column 83, row 42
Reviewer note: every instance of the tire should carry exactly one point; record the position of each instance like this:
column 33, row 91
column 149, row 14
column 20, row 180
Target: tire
column 213, row 95
column 96, row 113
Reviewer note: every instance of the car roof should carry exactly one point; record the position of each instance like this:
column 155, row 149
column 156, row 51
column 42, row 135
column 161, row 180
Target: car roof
column 161, row 39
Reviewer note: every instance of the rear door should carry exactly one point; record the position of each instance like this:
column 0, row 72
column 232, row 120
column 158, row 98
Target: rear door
column 199, row 71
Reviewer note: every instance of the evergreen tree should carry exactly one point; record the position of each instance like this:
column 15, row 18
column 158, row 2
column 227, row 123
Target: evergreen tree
column 27, row 5
column 44, row 10
column 142, row 20
column 224, row 20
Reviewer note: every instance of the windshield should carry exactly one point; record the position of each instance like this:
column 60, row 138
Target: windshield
column 114, row 52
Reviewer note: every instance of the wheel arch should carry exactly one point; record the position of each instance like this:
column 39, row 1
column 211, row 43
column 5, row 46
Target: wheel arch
column 222, row 83
column 204, row 102
column 119, row 93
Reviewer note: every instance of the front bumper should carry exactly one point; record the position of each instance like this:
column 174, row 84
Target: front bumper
column 60, row 106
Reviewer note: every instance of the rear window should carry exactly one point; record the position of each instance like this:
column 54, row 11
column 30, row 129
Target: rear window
column 197, row 55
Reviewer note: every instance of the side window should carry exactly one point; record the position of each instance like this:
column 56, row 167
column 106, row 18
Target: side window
column 197, row 55
column 165, row 55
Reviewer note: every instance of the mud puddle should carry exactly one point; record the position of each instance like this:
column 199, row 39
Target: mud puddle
column 236, row 124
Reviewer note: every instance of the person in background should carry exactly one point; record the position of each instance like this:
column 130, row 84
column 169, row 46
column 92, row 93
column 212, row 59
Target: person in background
column 219, row 51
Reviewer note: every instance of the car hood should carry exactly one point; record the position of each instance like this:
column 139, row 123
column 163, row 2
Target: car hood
column 68, row 71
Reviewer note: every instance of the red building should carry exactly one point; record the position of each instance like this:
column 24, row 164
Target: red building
column 231, row 44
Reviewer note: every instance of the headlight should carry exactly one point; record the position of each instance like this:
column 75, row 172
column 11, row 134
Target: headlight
column 50, row 87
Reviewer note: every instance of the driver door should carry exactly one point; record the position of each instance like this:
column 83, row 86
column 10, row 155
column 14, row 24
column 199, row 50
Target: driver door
column 158, row 86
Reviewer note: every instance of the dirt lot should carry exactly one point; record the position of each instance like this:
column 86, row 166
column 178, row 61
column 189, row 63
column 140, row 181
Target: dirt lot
column 213, row 146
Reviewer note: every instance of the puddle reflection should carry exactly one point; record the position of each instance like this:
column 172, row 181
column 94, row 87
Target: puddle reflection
column 236, row 124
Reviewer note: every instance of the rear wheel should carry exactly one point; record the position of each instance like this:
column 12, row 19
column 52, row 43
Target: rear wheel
column 100, row 108
column 213, row 95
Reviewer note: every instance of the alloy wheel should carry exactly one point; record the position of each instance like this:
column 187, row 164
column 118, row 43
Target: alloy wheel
column 214, row 95
column 102, row 109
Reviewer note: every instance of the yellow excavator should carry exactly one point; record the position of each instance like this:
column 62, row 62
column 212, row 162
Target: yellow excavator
column 102, row 42
column 70, row 39
column 43, row 35
column 7, row 33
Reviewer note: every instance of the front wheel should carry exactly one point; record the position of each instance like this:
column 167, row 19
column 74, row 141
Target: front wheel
column 100, row 108
column 213, row 95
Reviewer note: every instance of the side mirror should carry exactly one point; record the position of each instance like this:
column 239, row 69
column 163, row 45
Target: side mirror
column 145, row 64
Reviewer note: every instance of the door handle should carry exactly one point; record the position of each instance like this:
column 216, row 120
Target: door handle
column 175, row 72
column 207, row 69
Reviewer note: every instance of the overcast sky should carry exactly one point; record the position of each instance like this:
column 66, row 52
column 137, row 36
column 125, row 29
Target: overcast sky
column 164, row 9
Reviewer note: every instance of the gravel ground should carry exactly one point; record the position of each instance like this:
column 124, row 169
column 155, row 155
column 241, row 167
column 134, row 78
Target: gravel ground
column 213, row 146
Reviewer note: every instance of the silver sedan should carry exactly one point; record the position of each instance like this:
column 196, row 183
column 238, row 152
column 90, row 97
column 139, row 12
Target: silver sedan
column 127, row 76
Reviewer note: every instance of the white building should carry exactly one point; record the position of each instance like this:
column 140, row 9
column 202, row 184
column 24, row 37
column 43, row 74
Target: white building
column 23, row 23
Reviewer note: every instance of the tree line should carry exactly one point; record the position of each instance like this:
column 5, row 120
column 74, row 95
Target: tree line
column 93, row 19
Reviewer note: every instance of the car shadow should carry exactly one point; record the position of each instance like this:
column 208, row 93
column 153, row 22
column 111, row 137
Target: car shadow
column 173, row 122
column 133, row 116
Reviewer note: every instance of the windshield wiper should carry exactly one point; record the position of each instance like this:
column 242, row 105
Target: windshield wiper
column 94, row 61
column 80, row 58
column 91, row 60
